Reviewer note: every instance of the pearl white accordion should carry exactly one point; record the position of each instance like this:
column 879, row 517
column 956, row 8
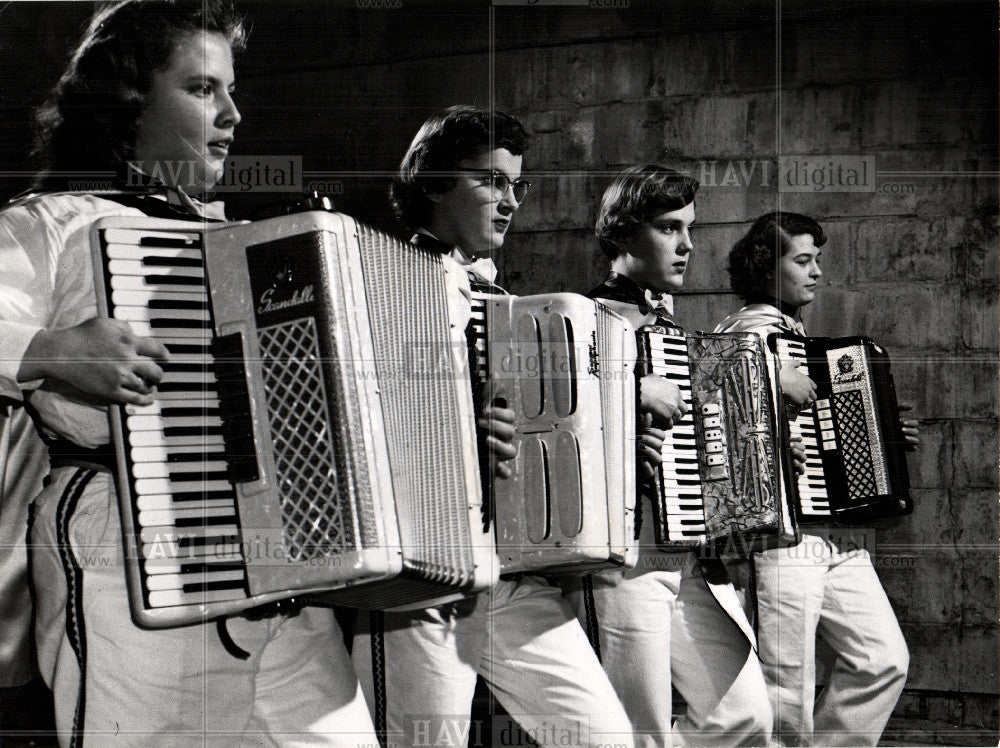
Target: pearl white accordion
column 301, row 441
column 565, row 365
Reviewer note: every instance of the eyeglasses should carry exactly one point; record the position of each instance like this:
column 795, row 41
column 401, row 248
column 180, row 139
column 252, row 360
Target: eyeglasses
column 500, row 182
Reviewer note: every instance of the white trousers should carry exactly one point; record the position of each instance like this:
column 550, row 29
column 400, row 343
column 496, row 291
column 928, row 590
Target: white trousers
column 118, row 684
column 23, row 464
column 661, row 624
column 418, row 670
column 814, row 589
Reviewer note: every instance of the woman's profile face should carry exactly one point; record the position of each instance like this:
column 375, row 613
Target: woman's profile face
column 186, row 126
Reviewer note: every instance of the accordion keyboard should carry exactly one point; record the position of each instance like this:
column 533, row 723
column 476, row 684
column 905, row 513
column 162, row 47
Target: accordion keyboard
column 814, row 501
column 185, row 499
column 679, row 472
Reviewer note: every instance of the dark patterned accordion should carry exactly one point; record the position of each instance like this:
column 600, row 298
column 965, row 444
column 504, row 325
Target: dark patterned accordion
column 722, row 483
column 314, row 428
column 565, row 365
column 855, row 449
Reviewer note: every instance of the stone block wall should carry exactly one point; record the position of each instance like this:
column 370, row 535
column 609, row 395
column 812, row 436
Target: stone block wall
column 734, row 93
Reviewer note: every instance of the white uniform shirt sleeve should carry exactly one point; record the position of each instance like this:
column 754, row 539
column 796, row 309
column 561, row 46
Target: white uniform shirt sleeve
column 47, row 282
column 29, row 246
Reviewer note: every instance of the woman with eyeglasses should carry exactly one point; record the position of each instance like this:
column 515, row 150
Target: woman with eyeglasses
column 458, row 188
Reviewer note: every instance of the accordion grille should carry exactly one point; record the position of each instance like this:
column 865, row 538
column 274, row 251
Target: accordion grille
column 317, row 484
column 855, row 449
column 409, row 318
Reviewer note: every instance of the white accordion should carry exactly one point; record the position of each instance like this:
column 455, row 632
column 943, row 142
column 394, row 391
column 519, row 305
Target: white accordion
column 299, row 442
column 565, row 365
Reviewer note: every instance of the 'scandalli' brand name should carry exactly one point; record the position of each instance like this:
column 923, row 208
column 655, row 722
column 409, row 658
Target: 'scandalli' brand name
column 268, row 304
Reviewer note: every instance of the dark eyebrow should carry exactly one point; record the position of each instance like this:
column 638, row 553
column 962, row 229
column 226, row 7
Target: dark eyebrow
column 672, row 223
column 208, row 79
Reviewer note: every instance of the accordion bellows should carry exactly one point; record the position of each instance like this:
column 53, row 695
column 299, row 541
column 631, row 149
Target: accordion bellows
column 314, row 430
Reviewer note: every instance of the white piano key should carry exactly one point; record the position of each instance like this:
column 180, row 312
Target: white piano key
column 140, row 283
column 165, row 469
column 145, row 314
column 163, row 485
column 120, row 268
column 159, row 423
column 157, row 439
column 161, row 454
column 171, row 598
column 170, row 533
column 137, row 297
column 173, row 566
column 135, row 252
column 165, row 335
column 161, row 517
column 169, row 582
column 163, row 501
column 136, row 236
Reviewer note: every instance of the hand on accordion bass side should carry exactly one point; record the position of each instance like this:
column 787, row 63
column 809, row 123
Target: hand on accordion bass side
column 497, row 430
column 661, row 400
column 98, row 357
column 910, row 428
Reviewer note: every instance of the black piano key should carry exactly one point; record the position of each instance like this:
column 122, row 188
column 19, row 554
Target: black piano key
column 191, row 430
column 159, row 323
column 171, row 242
column 194, row 456
column 178, row 262
column 177, row 304
column 197, row 476
column 193, row 348
column 194, row 587
column 202, row 496
column 185, row 542
column 173, row 280
column 207, row 521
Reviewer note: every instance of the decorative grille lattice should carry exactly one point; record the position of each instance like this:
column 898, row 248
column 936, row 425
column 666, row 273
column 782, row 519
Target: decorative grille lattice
column 855, row 449
column 311, row 467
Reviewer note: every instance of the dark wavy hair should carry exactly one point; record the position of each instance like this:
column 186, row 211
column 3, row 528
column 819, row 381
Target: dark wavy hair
column 753, row 259
column 636, row 197
column 89, row 121
column 457, row 133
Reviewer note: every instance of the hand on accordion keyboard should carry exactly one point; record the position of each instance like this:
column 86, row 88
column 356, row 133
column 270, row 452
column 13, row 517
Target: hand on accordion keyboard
column 911, row 429
column 661, row 400
column 798, row 452
column 798, row 389
column 496, row 425
column 650, row 450
column 101, row 357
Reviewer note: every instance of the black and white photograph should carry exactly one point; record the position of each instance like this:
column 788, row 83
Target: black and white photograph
column 417, row 373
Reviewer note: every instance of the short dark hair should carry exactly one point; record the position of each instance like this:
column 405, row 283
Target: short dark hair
column 753, row 259
column 90, row 120
column 636, row 197
column 450, row 136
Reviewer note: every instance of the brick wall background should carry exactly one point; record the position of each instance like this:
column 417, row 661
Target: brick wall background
column 721, row 89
